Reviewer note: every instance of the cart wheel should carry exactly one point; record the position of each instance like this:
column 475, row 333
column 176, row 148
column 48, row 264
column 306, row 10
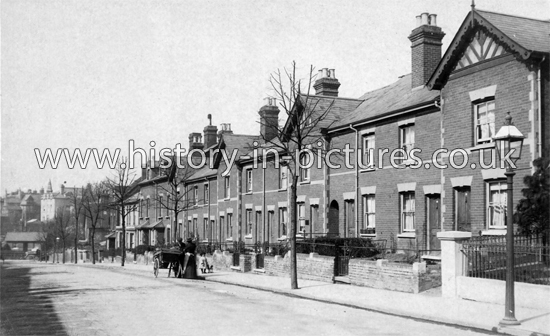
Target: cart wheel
column 156, row 267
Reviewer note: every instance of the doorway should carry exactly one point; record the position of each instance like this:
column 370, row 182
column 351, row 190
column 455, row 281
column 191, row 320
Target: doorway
column 333, row 219
column 434, row 221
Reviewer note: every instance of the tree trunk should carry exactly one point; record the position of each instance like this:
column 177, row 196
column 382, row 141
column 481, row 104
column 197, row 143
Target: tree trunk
column 123, row 247
column 64, row 250
column 93, row 245
column 76, row 241
column 176, row 227
column 293, row 262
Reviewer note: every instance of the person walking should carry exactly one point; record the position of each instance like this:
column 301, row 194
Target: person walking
column 190, row 263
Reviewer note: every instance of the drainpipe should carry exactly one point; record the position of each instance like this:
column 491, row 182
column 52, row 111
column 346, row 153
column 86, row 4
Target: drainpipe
column 356, row 212
column 264, row 209
column 539, row 138
column 211, row 238
column 240, row 201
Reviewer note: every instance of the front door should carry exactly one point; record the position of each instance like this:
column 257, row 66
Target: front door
column 463, row 209
column 434, row 225
column 333, row 219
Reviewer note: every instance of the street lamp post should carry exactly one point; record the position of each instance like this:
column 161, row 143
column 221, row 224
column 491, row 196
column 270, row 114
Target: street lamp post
column 509, row 138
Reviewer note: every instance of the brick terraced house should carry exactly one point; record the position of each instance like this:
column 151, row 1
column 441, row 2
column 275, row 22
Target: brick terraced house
column 495, row 64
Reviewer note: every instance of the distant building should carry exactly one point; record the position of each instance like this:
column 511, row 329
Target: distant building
column 24, row 241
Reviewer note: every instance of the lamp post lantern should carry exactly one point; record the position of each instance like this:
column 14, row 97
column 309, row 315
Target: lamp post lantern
column 509, row 142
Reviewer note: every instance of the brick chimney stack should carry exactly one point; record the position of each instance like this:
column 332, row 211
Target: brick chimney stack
column 426, row 48
column 210, row 134
column 326, row 83
column 269, row 119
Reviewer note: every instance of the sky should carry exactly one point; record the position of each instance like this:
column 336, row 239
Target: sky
column 97, row 74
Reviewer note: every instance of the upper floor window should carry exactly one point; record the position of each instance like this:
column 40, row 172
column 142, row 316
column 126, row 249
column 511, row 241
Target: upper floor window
column 168, row 205
column 406, row 138
column 407, row 211
column 226, row 189
column 368, row 150
column 147, row 208
column 160, row 204
column 484, row 121
column 283, row 177
column 249, row 180
column 196, row 195
column 497, row 199
column 206, row 194
column 305, row 173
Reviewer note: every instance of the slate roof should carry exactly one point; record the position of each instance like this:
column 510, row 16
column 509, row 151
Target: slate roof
column 203, row 172
column 242, row 142
column 339, row 107
column 530, row 33
column 386, row 100
column 23, row 237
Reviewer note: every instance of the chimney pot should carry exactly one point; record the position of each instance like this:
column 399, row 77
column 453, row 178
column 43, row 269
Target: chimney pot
column 433, row 20
column 425, row 19
column 328, row 84
column 418, row 20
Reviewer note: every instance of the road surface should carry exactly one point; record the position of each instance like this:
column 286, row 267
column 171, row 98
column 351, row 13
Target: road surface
column 48, row 299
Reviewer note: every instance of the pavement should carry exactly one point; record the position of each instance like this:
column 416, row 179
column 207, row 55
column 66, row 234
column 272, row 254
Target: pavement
column 428, row 306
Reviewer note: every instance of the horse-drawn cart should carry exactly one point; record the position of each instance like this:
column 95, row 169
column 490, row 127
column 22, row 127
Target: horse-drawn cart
column 167, row 259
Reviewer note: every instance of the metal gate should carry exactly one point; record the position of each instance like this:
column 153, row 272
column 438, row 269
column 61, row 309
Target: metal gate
column 341, row 260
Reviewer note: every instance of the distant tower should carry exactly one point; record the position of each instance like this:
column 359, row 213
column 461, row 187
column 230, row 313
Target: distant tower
column 49, row 189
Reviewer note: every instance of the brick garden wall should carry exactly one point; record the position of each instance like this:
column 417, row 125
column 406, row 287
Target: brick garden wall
column 392, row 276
column 310, row 266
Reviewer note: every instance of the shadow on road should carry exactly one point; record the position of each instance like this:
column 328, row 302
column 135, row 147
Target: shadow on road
column 26, row 311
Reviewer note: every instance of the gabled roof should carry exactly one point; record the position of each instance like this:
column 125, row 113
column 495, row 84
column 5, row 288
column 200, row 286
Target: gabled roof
column 520, row 36
column 203, row 172
column 387, row 100
column 23, row 237
column 339, row 108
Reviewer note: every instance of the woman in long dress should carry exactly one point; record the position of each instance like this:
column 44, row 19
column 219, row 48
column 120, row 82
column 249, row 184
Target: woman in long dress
column 190, row 264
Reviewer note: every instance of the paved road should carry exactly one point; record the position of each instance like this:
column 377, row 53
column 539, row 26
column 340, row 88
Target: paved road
column 46, row 299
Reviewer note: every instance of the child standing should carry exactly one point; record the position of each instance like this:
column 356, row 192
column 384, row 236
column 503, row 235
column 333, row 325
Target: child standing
column 203, row 262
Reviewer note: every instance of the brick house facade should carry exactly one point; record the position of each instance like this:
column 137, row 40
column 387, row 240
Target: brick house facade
column 495, row 64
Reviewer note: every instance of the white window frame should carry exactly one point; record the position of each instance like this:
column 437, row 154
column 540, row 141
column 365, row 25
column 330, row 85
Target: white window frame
column 496, row 209
column 302, row 216
column 249, row 181
column 407, row 138
column 283, row 177
column 407, row 206
column 305, row 173
column 248, row 229
column 369, row 213
column 226, row 187
column 489, row 121
column 283, row 222
column 369, row 146
column 196, row 195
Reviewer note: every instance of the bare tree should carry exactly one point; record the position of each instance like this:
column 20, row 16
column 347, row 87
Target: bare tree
column 63, row 227
column 76, row 203
column 177, row 199
column 122, row 186
column 94, row 202
column 306, row 117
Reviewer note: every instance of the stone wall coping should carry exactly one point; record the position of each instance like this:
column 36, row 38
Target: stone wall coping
column 454, row 235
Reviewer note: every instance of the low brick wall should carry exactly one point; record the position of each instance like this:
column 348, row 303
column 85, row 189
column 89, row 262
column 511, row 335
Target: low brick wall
column 310, row 266
column 392, row 276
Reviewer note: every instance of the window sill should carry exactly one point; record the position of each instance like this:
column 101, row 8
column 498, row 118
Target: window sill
column 281, row 238
column 366, row 170
column 481, row 146
column 248, row 193
column 284, row 189
column 229, row 239
column 407, row 235
column 226, row 199
column 367, row 235
column 249, row 236
column 494, row 232
column 305, row 182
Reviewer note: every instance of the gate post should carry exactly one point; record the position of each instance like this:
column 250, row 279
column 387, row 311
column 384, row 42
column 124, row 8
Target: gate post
column 453, row 261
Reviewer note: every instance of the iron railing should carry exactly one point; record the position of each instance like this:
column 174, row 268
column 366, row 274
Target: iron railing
column 486, row 258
